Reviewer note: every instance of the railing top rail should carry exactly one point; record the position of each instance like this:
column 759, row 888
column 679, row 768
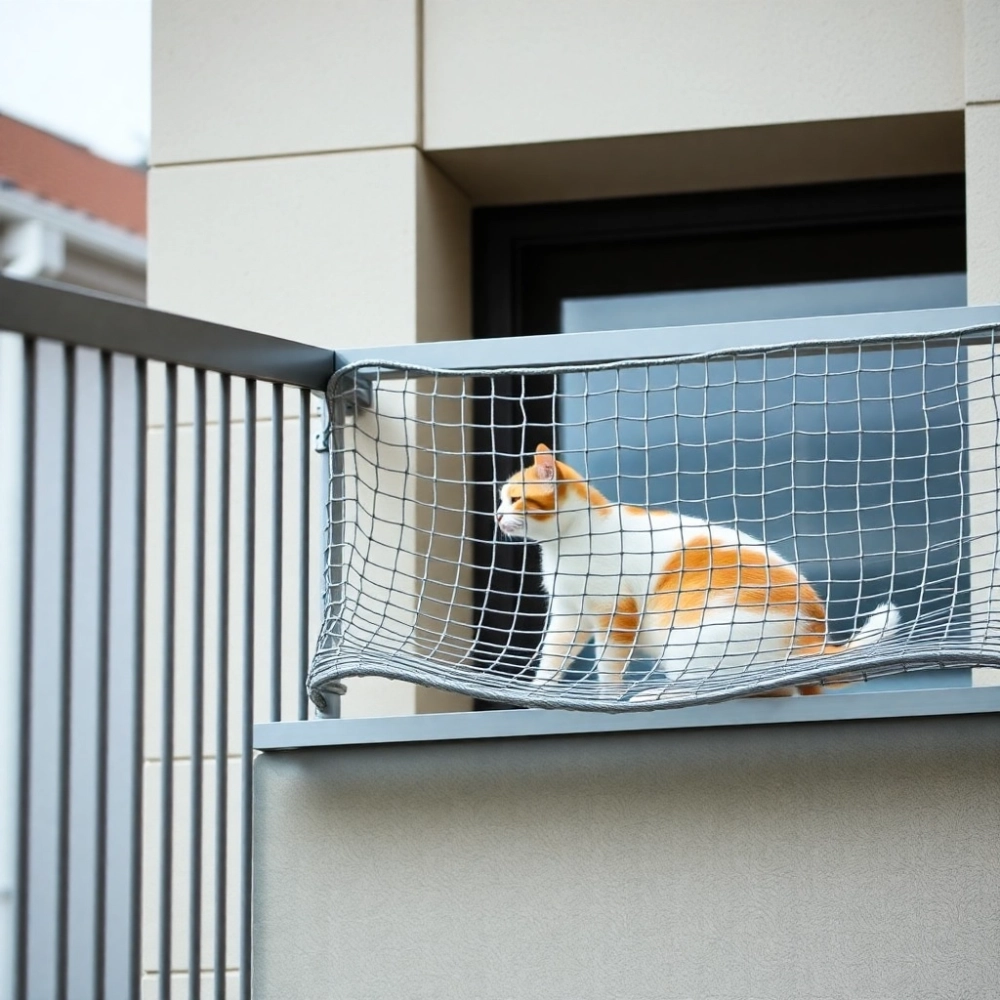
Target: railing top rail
column 86, row 319
column 667, row 341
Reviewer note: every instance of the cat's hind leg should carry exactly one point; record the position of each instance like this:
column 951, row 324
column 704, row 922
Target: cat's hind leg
column 723, row 645
column 617, row 636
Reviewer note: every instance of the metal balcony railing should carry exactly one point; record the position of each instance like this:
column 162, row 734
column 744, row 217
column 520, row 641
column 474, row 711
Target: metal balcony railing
column 158, row 593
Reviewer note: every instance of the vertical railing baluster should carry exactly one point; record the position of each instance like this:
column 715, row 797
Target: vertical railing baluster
column 321, row 531
column 27, row 583
column 65, row 700
column 167, row 690
column 222, row 692
column 246, row 735
column 79, row 925
column 305, row 520
column 138, row 683
column 197, row 688
column 333, row 530
column 277, row 519
column 103, row 673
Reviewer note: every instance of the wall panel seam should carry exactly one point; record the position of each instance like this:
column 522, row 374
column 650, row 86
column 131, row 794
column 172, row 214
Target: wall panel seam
column 281, row 156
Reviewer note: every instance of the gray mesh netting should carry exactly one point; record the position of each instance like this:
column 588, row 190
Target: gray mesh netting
column 715, row 525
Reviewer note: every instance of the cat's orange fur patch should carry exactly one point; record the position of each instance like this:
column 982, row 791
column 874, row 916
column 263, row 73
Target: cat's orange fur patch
column 623, row 625
column 812, row 688
column 703, row 569
column 631, row 508
column 537, row 496
column 568, row 480
column 529, row 496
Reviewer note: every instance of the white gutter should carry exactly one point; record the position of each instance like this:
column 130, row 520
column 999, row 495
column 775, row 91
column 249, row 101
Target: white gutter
column 33, row 250
column 101, row 239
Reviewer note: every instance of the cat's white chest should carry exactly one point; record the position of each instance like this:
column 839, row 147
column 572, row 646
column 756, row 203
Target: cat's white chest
column 620, row 554
column 567, row 575
column 584, row 566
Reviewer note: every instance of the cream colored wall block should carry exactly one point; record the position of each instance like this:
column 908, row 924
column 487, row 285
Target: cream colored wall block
column 376, row 697
column 315, row 248
column 982, row 50
column 444, row 257
column 245, row 78
column 498, row 72
column 982, row 187
column 345, row 250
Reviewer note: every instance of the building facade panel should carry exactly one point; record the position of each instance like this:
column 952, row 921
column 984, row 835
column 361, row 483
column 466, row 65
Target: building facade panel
column 503, row 72
column 270, row 78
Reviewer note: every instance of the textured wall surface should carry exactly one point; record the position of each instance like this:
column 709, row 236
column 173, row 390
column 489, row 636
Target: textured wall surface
column 248, row 78
column 854, row 860
column 499, row 72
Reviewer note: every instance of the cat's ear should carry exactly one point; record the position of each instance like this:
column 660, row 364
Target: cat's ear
column 545, row 464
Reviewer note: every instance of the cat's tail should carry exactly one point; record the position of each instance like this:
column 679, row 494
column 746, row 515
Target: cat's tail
column 881, row 624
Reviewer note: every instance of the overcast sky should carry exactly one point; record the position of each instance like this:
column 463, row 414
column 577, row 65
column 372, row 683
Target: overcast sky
column 79, row 68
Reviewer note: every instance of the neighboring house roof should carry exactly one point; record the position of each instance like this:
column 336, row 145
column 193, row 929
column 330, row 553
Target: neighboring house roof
column 66, row 174
column 67, row 215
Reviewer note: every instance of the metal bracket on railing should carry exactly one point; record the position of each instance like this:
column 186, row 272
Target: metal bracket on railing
column 327, row 700
column 353, row 392
column 321, row 439
column 356, row 391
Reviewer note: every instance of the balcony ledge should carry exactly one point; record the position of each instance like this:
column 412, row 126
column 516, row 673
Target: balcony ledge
column 514, row 724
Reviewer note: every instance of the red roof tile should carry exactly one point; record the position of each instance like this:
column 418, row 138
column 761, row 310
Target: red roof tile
column 71, row 176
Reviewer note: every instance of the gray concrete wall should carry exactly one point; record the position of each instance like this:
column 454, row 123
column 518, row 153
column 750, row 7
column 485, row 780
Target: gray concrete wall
column 854, row 860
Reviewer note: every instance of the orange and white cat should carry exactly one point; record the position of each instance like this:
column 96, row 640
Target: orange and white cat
column 666, row 587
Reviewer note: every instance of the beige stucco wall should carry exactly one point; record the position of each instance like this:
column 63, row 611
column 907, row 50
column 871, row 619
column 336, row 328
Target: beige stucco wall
column 812, row 861
column 252, row 78
column 504, row 72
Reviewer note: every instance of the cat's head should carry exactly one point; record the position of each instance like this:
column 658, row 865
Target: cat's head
column 536, row 499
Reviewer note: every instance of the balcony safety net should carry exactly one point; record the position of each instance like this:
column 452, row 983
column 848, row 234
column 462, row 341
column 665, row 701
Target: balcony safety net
column 753, row 521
